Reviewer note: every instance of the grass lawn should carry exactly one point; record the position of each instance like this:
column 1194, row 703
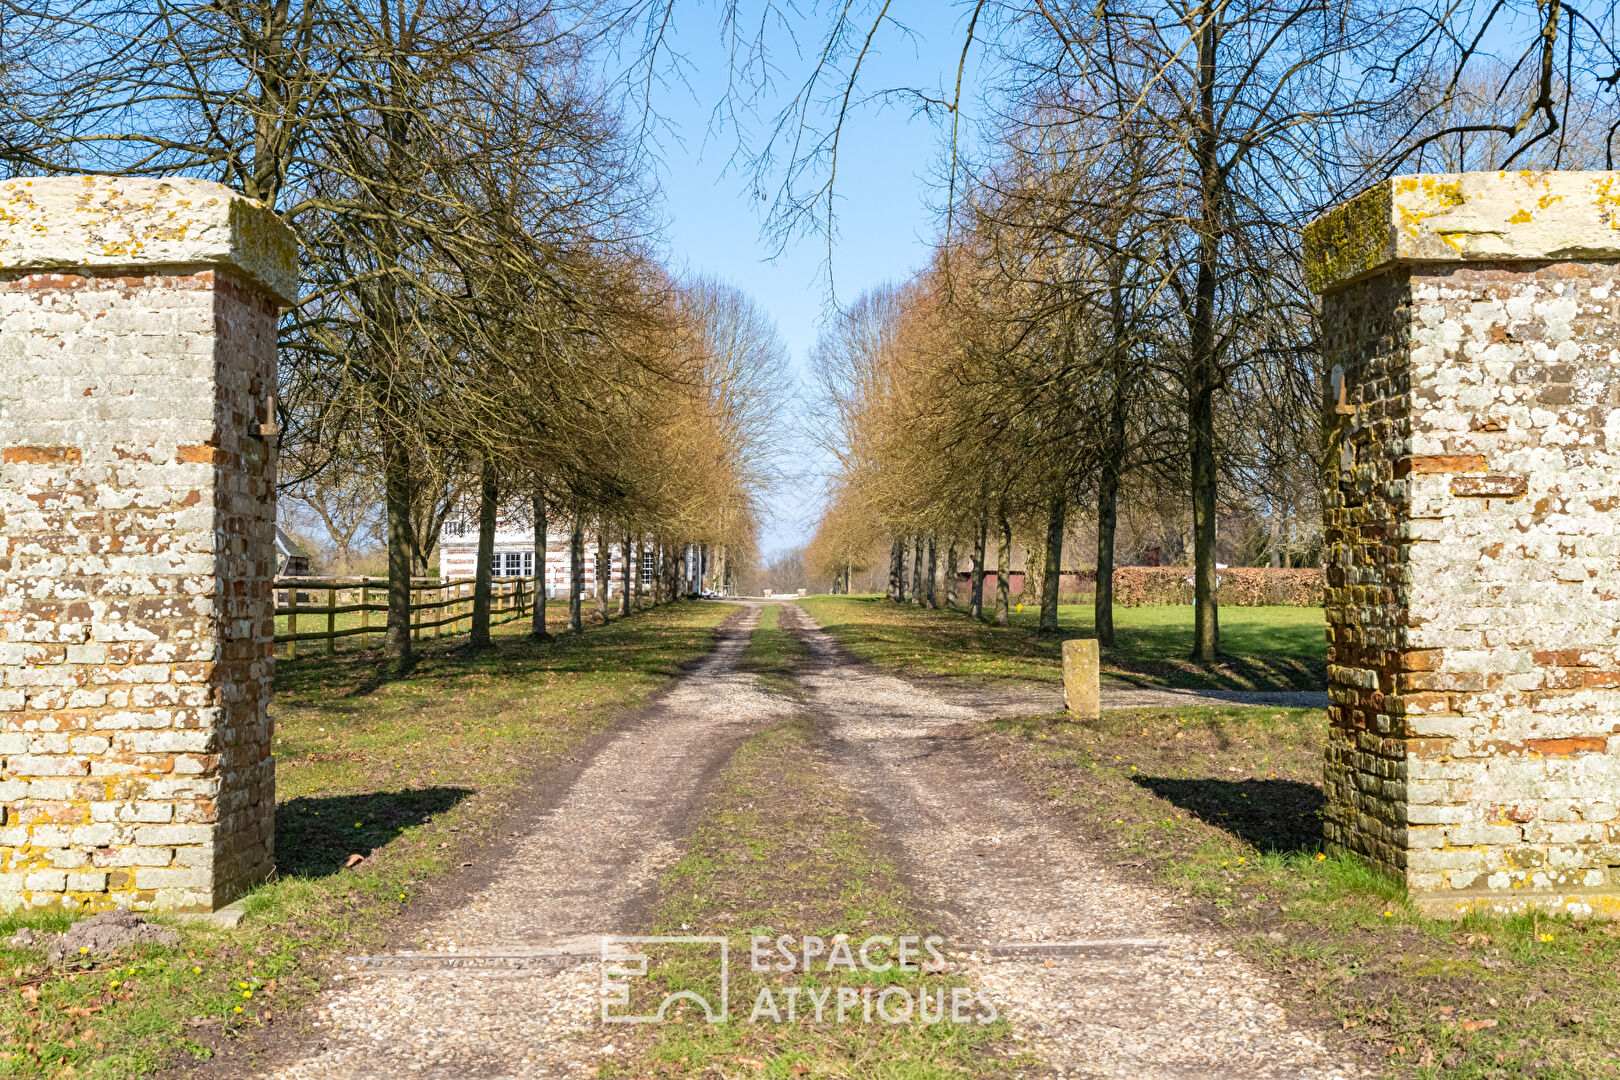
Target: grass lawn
column 410, row 773
column 1268, row 648
column 779, row 850
column 1223, row 804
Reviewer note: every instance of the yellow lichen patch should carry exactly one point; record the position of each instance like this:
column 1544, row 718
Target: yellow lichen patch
column 1520, row 217
column 1444, row 192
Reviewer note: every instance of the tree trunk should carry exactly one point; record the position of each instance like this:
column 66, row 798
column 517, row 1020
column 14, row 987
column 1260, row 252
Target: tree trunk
column 952, row 559
column 576, row 576
column 604, row 570
column 483, row 582
column 1206, row 624
column 658, row 571
column 1052, row 578
column 1102, row 603
column 976, row 584
column 1204, row 374
column 916, row 568
column 1275, row 542
column 1113, row 459
column 1003, row 571
column 933, row 573
column 397, row 496
column 537, row 613
column 896, row 568
column 624, row 578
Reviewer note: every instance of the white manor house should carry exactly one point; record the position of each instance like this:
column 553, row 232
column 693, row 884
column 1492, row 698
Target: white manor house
column 514, row 555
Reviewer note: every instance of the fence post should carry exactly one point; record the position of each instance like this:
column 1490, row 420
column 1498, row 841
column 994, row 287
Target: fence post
column 365, row 614
column 331, row 620
column 292, row 624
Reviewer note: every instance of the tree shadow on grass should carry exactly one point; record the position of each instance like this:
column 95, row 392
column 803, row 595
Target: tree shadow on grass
column 1279, row 817
column 634, row 642
column 315, row 836
column 1228, row 672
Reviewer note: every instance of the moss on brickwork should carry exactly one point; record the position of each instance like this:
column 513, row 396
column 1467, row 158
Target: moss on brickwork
column 1349, row 241
column 1456, row 217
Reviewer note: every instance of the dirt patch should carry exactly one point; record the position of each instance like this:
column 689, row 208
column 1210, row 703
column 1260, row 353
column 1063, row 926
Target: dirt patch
column 101, row 935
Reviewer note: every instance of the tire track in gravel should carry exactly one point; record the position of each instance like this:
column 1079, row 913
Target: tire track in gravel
column 1132, row 990
column 587, row 866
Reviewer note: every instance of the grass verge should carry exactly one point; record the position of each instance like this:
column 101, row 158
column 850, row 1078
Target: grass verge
column 1224, row 804
column 773, row 652
column 1269, row 648
column 409, row 773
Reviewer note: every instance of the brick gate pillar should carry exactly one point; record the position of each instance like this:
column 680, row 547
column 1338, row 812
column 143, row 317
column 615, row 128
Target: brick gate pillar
column 1471, row 512
column 137, row 503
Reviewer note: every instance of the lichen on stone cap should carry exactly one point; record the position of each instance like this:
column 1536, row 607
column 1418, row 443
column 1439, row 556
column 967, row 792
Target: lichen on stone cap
column 67, row 222
column 1465, row 217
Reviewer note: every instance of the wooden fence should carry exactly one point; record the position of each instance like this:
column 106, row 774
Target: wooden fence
column 438, row 608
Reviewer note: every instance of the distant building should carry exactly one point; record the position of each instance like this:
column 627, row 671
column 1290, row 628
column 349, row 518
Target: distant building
column 291, row 559
column 514, row 556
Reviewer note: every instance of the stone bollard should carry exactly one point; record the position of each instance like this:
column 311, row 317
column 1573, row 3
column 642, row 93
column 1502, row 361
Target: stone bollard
column 1472, row 530
column 137, row 503
column 1081, row 675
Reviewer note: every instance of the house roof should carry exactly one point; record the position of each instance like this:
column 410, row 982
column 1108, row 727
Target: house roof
column 286, row 545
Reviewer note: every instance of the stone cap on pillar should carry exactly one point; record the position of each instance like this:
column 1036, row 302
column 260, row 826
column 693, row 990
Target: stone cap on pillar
column 112, row 222
column 1465, row 217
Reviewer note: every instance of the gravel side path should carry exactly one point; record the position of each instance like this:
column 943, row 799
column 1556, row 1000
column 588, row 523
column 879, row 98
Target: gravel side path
column 1129, row 989
column 587, row 867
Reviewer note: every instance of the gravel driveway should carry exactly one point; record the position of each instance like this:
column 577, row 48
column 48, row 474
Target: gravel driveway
column 586, row 867
column 1100, row 976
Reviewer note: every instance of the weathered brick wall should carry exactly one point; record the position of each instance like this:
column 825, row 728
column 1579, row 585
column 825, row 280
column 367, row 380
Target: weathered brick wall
column 244, row 373
column 1364, row 333
column 1471, row 516
column 136, row 556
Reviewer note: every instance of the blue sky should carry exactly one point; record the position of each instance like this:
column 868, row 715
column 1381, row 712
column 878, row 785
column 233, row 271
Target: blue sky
column 883, row 218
